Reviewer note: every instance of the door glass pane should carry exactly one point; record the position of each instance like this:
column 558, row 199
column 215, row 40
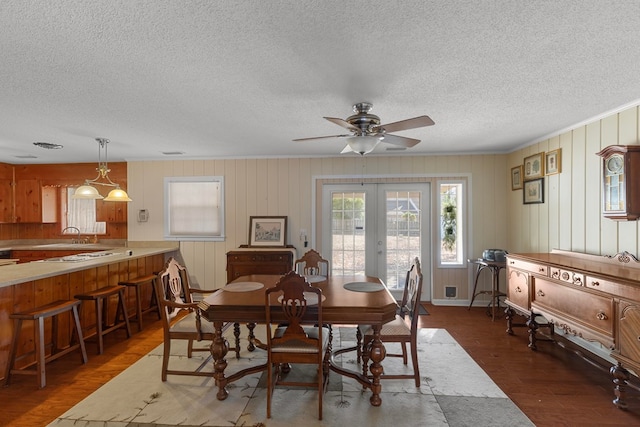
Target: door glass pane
column 348, row 233
column 403, row 243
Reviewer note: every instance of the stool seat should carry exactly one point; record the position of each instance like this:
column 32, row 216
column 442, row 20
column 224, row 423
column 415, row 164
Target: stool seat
column 38, row 315
column 137, row 284
column 101, row 298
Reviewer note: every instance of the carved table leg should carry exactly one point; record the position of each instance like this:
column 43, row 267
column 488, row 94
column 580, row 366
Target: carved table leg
column 377, row 352
column 620, row 378
column 251, row 327
column 236, row 334
column 509, row 316
column 533, row 328
column 219, row 349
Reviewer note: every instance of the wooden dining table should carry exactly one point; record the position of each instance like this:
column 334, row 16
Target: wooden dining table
column 347, row 300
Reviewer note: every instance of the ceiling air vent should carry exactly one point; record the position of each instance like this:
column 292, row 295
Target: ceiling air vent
column 48, row 145
column 172, row 153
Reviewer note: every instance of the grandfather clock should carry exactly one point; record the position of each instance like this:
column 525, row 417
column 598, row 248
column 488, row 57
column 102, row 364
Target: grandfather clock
column 621, row 182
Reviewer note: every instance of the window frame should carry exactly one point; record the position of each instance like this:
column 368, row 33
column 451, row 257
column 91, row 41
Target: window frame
column 461, row 215
column 168, row 234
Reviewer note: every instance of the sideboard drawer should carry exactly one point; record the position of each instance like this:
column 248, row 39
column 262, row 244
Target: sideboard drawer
column 539, row 269
column 244, row 263
column 589, row 309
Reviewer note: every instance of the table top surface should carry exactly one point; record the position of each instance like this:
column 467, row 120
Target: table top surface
column 340, row 305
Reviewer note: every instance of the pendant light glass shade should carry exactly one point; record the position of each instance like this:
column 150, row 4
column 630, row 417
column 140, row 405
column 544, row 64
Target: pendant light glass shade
column 86, row 192
column 117, row 195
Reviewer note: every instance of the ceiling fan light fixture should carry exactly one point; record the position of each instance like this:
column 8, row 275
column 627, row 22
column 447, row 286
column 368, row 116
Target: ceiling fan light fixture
column 363, row 144
column 88, row 191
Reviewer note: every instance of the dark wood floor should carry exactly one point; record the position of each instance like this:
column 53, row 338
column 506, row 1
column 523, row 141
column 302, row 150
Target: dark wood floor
column 552, row 386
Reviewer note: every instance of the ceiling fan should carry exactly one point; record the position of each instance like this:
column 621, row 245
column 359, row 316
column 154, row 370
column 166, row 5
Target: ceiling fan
column 367, row 132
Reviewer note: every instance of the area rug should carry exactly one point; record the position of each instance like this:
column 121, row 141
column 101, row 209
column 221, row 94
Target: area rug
column 454, row 391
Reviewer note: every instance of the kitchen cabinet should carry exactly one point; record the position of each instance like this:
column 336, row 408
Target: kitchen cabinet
column 111, row 211
column 28, row 255
column 6, row 200
column 33, row 203
column 593, row 300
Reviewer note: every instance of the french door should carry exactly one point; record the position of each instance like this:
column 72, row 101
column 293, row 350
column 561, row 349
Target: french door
column 377, row 229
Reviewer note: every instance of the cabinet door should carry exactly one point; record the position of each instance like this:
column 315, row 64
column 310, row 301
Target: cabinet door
column 518, row 288
column 6, row 200
column 49, row 204
column 111, row 211
column 28, row 202
column 629, row 330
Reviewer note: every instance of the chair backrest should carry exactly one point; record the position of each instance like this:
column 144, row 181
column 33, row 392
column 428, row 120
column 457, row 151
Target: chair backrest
column 173, row 286
column 410, row 305
column 294, row 302
column 312, row 263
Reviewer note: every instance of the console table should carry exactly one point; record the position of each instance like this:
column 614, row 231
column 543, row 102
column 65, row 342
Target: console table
column 247, row 261
column 595, row 299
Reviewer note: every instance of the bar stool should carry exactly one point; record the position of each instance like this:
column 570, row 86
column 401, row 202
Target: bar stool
column 137, row 284
column 101, row 298
column 37, row 315
column 496, row 294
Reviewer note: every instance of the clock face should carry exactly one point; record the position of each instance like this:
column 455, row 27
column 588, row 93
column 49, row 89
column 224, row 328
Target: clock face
column 614, row 164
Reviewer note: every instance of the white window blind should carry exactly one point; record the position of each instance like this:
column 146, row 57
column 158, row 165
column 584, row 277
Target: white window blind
column 194, row 208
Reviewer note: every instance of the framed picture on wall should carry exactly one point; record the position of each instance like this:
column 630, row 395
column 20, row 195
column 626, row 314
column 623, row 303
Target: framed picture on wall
column 533, row 191
column 534, row 166
column 267, row 231
column 516, row 178
column 553, row 162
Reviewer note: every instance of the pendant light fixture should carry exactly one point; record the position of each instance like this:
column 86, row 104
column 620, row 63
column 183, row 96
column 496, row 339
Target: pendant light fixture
column 89, row 191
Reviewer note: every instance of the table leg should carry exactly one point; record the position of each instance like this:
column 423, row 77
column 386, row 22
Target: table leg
column 219, row 349
column 377, row 354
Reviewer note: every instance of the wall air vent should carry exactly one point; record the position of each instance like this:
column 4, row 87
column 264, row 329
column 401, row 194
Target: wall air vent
column 172, row 153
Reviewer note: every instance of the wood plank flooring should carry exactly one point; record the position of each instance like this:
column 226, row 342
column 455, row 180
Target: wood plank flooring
column 552, row 386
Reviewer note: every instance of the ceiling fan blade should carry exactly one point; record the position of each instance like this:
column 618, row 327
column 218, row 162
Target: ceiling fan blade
column 343, row 123
column 321, row 137
column 400, row 140
column 416, row 122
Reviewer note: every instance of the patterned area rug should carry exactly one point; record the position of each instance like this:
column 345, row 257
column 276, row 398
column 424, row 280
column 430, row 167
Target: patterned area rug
column 454, row 391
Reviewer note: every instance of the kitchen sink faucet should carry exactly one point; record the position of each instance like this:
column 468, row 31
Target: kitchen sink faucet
column 77, row 239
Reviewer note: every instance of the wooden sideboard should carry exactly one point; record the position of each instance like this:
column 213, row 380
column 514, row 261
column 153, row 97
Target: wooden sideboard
column 594, row 299
column 246, row 261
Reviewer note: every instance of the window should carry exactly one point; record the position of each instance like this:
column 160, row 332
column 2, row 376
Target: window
column 194, row 208
column 81, row 214
column 451, row 223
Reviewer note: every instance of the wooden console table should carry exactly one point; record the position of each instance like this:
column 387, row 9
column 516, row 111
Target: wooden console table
column 247, row 261
column 593, row 298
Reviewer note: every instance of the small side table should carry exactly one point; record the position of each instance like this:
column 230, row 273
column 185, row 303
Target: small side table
column 494, row 267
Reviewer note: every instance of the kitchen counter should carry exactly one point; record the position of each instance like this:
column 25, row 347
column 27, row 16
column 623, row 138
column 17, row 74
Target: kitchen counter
column 20, row 273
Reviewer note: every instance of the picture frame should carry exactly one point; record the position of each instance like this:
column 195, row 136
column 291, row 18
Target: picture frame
column 268, row 231
column 516, row 178
column 533, row 166
column 553, row 162
column 533, row 191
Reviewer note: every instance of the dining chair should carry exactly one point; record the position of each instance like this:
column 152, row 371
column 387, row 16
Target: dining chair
column 312, row 265
column 181, row 316
column 298, row 305
column 403, row 329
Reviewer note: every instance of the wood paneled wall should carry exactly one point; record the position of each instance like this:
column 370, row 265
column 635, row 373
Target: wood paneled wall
column 571, row 218
column 284, row 186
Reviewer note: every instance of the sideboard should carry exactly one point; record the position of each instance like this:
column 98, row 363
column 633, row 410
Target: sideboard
column 595, row 299
column 246, row 261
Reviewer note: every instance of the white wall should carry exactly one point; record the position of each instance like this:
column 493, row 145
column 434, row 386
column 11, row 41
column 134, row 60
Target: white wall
column 284, row 187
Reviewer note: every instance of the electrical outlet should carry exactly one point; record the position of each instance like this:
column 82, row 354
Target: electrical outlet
column 303, row 235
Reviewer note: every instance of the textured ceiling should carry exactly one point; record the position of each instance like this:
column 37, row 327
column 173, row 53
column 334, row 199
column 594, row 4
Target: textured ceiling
column 217, row 79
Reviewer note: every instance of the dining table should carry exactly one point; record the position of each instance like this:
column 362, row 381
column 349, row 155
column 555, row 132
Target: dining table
column 346, row 300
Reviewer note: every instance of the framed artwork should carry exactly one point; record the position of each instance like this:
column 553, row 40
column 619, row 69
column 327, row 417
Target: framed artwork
column 534, row 166
column 516, row 178
column 267, row 231
column 533, row 191
column 553, row 162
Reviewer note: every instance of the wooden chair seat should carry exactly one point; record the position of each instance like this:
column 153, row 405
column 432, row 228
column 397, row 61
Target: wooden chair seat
column 38, row 316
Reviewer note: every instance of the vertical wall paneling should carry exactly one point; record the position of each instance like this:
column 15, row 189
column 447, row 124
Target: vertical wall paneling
column 593, row 189
column 565, row 197
column 576, row 170
column 609, row 228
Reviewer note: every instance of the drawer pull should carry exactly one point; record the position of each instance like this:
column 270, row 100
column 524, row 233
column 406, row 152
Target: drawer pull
column 565, row 276
column 511, row 262
column 595, row 283
column 577, row 281
column 555, row 274
column 517, row 289
column 601, row 316
column 541, row 269
column 540, row 293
